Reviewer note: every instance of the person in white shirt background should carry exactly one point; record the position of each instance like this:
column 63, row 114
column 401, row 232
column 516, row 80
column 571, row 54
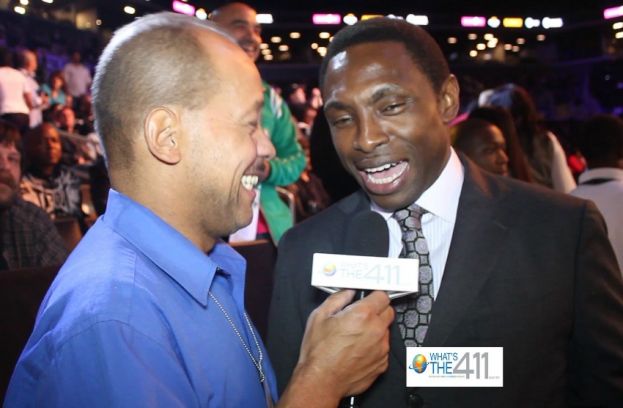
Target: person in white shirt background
column 601, row 144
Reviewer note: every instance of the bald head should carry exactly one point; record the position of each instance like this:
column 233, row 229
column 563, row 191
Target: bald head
column 240, row 21
column 156, row 60
column 28, row 61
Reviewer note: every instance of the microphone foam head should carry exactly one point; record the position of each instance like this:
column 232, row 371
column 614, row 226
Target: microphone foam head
column 367, row 235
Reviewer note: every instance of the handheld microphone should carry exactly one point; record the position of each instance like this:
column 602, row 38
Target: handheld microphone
column 366, row 235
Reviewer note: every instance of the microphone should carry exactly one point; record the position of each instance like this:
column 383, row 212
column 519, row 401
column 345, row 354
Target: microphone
column 366, row 235
column 362, row 263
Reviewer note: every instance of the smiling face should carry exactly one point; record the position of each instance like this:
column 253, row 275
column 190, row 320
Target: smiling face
column 240, row 21
column 389, row 125
column 223, row 136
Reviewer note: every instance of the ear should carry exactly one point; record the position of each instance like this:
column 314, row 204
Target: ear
column 449, row 99
column 162, row 134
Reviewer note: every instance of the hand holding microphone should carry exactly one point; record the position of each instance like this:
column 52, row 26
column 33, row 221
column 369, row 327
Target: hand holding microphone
column 344, row 349
column 346, row 345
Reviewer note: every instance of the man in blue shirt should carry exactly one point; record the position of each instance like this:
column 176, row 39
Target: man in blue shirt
column 148, row 310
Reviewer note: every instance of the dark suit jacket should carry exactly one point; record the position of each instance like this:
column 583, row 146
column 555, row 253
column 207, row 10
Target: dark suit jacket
column 528, row 270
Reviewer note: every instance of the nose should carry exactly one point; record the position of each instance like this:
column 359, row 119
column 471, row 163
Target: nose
column 264, row 146
column 502, row 156
column 370, row 135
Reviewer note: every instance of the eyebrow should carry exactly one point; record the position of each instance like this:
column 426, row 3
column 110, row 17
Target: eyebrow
column 252, row 110
column 334, row 105
column 378, row 94
column 245, row 22
column 383, row 91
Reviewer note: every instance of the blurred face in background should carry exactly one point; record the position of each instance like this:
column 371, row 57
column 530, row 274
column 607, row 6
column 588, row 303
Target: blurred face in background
column 45, row 146
column 10, row 174
column 240, row 21
column 488, row 149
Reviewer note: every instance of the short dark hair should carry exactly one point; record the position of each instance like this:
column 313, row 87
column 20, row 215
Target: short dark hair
column 424, row 50
column 155, row 60
column 468, row 132
column 10, row 135
column 601, row 141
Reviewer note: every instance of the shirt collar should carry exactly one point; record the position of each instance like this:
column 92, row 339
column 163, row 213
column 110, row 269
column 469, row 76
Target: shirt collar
column 442, row 197
column 175, row 254
column 601, row 172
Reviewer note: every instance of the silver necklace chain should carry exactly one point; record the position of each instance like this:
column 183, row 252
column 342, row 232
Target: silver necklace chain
column 257, row 363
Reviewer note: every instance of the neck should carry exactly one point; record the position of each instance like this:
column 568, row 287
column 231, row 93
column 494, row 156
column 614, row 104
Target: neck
column 166, row 205
column 45, row 171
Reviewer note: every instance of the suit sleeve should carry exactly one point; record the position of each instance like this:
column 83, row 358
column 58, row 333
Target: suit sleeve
column 596, row 352
column 286, row 326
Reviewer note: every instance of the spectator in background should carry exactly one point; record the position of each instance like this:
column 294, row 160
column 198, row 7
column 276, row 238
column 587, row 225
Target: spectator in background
column 13, row 93
column 239, row 20
column 28, row 237
column 482, row 142
column 47, row 183
column 547, row 159
column 36, row 100
column 601, row 143
column 517, row 162
column 77, row 76
column 55, row 90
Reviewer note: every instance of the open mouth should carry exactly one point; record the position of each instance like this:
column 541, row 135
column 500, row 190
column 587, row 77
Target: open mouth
column 385, row 173
column 249, row 182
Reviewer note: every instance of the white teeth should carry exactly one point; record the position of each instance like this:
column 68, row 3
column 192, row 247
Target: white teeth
column 388, row 179
column 380, row 168
column 249, row 182
column 384, row 180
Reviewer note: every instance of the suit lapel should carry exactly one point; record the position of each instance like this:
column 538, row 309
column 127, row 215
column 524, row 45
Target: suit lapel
column 478, row 230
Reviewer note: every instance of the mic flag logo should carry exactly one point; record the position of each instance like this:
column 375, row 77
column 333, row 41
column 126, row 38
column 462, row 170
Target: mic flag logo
column 419, row 363
column 329, row 269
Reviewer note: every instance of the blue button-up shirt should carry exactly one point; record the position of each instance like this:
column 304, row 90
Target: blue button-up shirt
column 128, row 322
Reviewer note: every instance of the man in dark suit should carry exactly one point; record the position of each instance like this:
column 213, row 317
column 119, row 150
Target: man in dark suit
column 513, row 266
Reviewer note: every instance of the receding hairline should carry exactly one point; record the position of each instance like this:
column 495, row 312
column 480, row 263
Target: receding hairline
column 127, row 48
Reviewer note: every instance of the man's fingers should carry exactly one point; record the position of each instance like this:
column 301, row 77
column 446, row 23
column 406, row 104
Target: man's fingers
column 387, row 315
column 377, row 300
column 336, row 302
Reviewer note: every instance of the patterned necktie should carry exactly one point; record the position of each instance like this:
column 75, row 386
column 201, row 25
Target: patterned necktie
column 413, row 313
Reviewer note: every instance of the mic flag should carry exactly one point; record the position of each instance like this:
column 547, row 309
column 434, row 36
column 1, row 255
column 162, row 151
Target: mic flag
column 362, row 263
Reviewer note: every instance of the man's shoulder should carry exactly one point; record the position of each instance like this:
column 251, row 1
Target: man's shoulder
column 330, row 222
column 514, row 193
column 25, row 212
column 98, row 281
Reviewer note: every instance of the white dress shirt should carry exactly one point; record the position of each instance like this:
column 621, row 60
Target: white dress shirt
column 441, row 200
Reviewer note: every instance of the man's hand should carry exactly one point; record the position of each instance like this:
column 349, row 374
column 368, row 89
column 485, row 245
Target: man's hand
column 345, row 348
